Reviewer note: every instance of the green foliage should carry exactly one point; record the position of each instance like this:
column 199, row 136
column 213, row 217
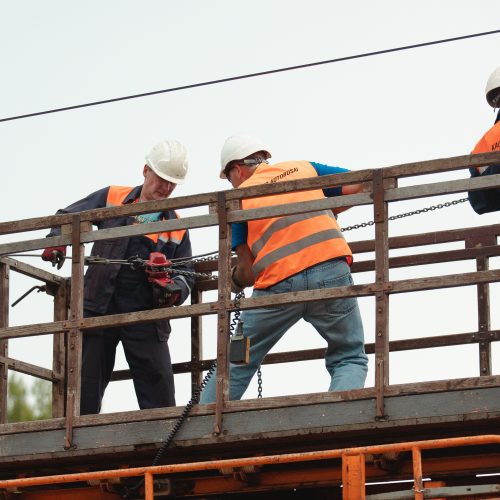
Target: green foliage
column 28, row 403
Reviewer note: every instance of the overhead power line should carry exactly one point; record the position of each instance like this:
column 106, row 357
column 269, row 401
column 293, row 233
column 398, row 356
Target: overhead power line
column 248, row 75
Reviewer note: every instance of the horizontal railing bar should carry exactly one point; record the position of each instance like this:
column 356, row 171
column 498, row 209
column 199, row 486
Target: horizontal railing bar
column 260, row 460
column 32, row 271
column 429, row 258
column 29, row 369
column 439, row 188
column 253, row 404
column 319, row 353
column 441, row 165
column 432, row 238
column 402, row 286
column 432, row 166
column 394, row 262
column 100, row 214
column 396, row 194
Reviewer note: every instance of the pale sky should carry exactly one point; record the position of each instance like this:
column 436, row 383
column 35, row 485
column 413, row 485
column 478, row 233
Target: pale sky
column 407, row 106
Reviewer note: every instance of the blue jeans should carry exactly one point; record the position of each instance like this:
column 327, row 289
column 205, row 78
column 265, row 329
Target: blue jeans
column 338, row 321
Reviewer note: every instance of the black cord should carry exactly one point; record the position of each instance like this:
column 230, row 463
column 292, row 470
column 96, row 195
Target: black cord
column 195, row 399
column 248, row 75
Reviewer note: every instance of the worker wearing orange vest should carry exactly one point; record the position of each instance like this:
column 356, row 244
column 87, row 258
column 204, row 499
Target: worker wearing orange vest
column 286, row 254
column 488, row 200
column 116, row 288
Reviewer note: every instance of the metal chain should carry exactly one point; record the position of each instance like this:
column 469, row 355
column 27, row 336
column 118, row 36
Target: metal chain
column 130, row 492
column 408, row 214
column 195, row 260
column 209, row 276
column 233, row 325
column 259, row 383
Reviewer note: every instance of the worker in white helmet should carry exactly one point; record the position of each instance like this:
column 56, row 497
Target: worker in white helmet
column 113, row 288
column 488, row 200
column 291, row 253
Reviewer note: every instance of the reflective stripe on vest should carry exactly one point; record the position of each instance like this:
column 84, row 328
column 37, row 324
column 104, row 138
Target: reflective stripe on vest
column 489, row 142
column 116, row 197
column 284, row 246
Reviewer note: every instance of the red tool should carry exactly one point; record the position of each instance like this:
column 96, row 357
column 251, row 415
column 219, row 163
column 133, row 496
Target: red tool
column 166, row 292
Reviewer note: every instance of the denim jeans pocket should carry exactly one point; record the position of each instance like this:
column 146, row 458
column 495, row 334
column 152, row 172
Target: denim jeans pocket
column 343, row 305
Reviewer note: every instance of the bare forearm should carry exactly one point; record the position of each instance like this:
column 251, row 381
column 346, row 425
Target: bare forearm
column 347, row 190
column 243, row 274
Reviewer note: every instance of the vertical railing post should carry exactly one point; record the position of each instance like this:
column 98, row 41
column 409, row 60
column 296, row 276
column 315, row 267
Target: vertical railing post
column 483, row 304
column 148, row 486
column 74, row 334
column 418, row 482
column 4, row 344
column 196, row 342
column 223, row 314
column 59, row 351
column 353, row 477
column 381, row 297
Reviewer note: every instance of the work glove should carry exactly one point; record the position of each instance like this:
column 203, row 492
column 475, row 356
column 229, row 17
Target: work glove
column 166, row 295
column 56, row 255
column 235, row 286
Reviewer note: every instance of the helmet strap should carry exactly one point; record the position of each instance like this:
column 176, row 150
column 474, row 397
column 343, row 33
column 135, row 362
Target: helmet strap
column 253, row 162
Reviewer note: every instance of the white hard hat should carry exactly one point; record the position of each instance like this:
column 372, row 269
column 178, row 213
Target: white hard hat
column 238, row 147
column 493, row 89
column 168, row 160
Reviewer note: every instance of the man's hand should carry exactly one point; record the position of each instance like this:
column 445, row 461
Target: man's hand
column 166, row 295
column 235, row 285
column 56, row 255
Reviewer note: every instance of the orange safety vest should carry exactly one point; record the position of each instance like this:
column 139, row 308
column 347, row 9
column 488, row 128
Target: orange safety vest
column 489, row 142
column 286, row 245
column 116, row 197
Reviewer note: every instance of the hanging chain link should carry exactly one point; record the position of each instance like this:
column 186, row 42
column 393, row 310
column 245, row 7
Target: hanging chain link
column 259, row 383
column 408, row 214
column 233, row 325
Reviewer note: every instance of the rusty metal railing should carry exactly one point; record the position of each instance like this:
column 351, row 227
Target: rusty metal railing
column 223, row 210
column 353, row 466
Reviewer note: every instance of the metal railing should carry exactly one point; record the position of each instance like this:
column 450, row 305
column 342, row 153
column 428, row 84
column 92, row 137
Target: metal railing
column 224, row 209
column 353, row 476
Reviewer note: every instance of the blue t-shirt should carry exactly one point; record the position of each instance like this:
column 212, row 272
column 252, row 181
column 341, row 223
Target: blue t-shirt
column 240, row 229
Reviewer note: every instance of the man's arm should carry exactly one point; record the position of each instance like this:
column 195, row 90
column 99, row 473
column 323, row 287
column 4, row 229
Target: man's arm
column 322, row 169
column 57, row 255
column 243, row 274
column 93, row 200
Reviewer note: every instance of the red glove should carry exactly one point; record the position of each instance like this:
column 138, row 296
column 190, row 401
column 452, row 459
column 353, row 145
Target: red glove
column 56, row 255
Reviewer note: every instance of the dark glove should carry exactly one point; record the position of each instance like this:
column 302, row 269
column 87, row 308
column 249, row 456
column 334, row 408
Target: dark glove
column 166, row 295
column 56, row 255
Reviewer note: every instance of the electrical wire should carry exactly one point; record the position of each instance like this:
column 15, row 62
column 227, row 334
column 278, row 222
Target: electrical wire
column 249, row 75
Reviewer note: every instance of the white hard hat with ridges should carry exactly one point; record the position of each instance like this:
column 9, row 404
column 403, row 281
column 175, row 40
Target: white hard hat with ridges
column 493, row 89
column 238, row 147
column 168, row 160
